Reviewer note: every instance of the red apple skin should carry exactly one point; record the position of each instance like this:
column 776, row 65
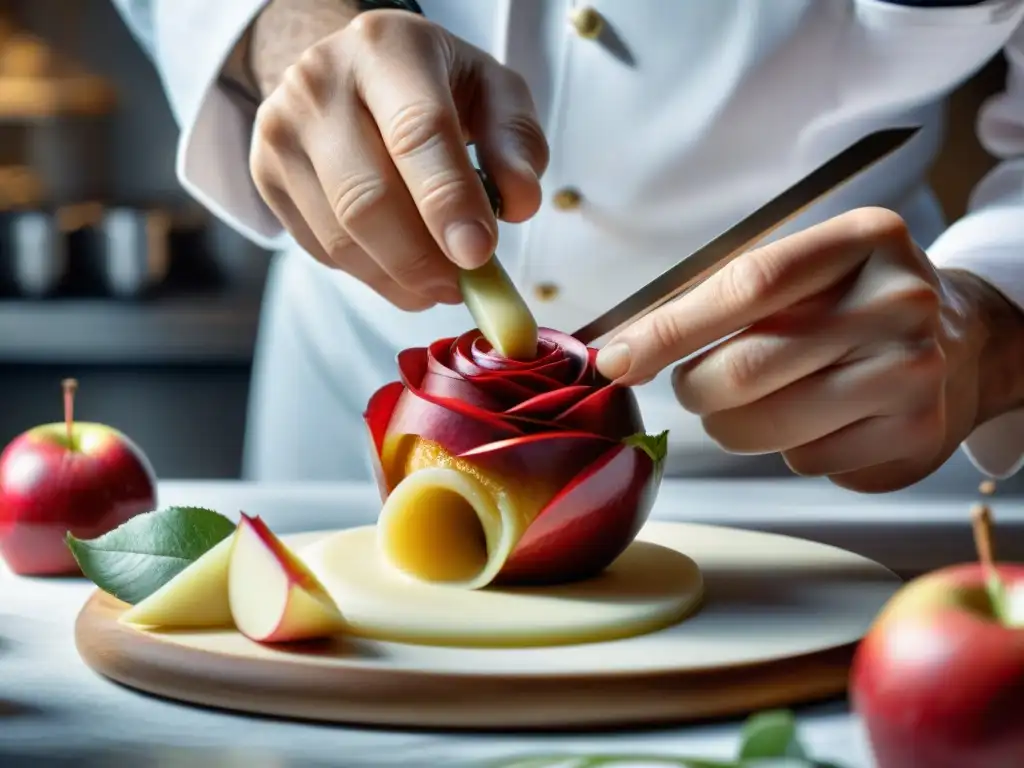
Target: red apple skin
column 589, row 523
column 298, row 575
column 937, row 683
column 47, row 490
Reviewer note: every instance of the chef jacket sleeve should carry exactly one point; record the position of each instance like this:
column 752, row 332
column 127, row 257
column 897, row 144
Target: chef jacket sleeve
column 989, row 242
column 189, row 41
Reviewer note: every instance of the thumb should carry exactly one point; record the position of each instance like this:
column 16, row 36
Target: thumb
column 510, row 143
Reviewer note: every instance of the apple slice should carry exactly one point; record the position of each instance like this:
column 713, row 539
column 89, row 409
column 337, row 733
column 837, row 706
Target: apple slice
column 196, row 597
column 499, row 310
column 274, row 597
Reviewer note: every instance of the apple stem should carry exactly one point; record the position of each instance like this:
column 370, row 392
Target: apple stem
column 70, row 387
column 981, row 518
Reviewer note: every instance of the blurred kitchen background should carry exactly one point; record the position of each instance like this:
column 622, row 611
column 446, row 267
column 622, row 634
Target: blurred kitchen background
column 108, row 273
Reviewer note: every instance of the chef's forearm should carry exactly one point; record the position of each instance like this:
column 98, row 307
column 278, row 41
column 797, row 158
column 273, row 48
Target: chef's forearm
column 278, row 36
column 1001, row 340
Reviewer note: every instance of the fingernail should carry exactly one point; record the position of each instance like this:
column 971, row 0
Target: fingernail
column 613, row 360
column 469, row 243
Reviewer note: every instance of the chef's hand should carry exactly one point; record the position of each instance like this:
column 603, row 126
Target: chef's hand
column 360, row 149
column 854, row 358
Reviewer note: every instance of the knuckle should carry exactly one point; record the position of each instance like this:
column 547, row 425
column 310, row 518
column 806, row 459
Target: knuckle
column 376, row 33
column 340, row 249
column 417, row 127
column 663, row 331
column 357, row 198
column 741, row 368
column 411, row 271
column 372, row 27
column 273, row 128
column 441, row 191
column 261, row 168
column 529, row 136
column 311, row 77
column 748, row 281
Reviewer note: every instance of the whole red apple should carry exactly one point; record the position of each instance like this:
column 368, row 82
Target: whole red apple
column 79, row 477
column 939, row 678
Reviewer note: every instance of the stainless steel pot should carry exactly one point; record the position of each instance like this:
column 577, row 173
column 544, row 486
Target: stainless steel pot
column 133, row 250
column 36, row 253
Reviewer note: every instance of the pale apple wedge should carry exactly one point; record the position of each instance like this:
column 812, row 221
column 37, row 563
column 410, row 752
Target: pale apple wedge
column 499, row 310
column 195, row 598
column 274, row 597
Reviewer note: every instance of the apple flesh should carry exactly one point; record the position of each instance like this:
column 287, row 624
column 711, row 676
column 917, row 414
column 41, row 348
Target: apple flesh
column 939, row 679
column 87, row 482
column 195, row 598
column 274, row 597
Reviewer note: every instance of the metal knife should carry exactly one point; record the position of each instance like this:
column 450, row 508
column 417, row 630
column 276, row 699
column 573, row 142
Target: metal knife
column 700, row 265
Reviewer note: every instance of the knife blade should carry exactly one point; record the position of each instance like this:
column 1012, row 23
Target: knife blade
column 711, row 257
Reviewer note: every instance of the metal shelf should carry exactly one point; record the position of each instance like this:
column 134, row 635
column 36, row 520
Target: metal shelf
column 174, row 330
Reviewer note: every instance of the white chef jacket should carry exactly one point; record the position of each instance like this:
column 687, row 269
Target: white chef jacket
column 691, row 114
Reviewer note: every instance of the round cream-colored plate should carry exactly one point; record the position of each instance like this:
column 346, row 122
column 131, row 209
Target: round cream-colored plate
column 778, row 622
column 647, row 588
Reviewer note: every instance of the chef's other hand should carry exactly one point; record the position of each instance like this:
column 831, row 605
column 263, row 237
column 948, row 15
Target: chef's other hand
column 360, row 150
column 852, row 356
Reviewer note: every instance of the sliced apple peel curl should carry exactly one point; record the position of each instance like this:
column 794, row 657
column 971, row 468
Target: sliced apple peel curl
column 550, row 458
column 454, row 521
column 443, row 525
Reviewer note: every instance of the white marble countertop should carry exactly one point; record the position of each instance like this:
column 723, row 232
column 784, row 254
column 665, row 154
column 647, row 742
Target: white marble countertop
column 53, row 708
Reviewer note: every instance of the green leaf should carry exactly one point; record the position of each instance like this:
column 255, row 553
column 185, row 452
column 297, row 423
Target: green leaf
column 655, row 446
column 138, row 557
column 770, row 734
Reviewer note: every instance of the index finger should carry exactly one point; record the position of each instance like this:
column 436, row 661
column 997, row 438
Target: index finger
column 416, row 114
column 750, row 289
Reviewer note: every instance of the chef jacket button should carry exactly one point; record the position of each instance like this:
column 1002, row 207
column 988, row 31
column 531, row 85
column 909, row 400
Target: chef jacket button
column 545, row 291
column 567, row 199
column 587, row 22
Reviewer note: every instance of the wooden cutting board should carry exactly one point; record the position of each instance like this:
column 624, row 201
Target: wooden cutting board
column 780, row 620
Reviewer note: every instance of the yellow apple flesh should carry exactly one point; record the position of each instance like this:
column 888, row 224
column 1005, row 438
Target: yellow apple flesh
column 196, row 597
column 447, row 521
column 274, row 597
column 499, row 310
